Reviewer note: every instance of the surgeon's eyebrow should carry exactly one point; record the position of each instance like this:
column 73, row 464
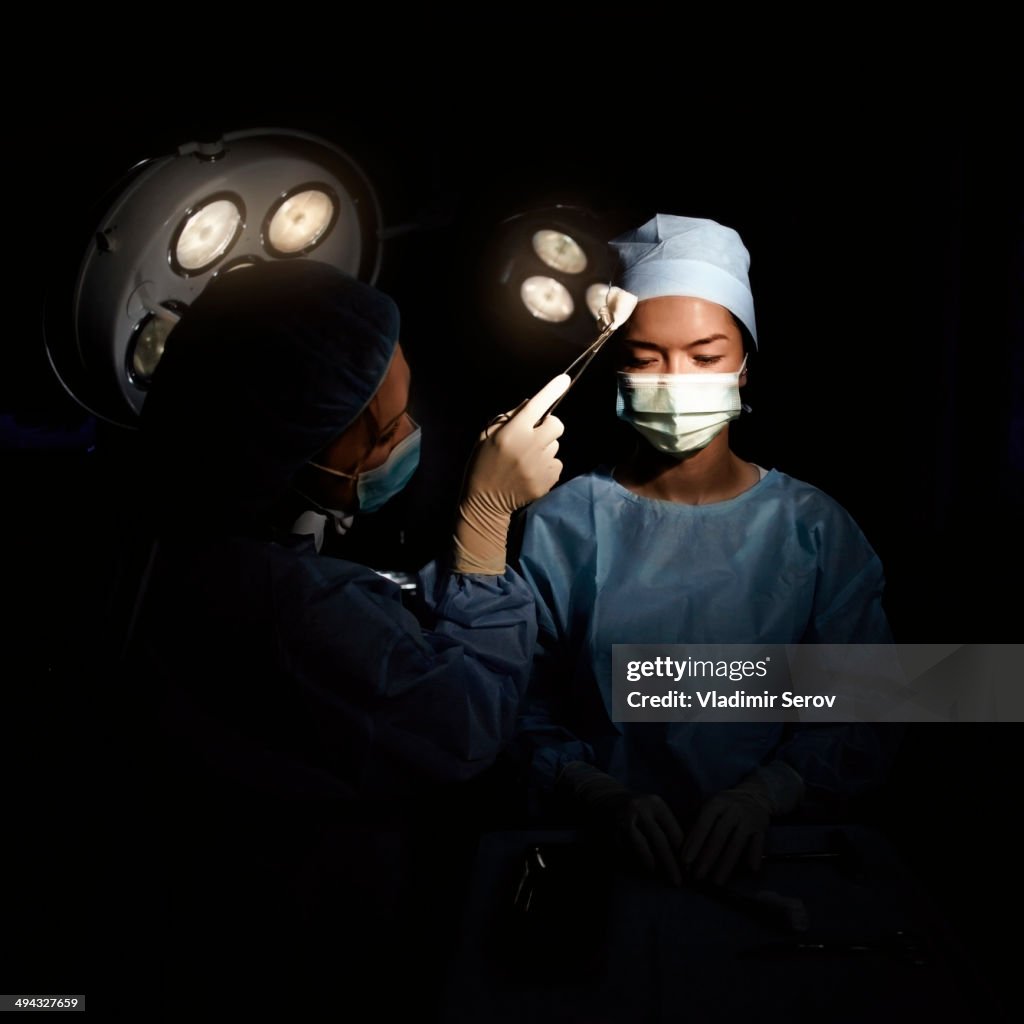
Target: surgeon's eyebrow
column 638, row 343
column 392, row 422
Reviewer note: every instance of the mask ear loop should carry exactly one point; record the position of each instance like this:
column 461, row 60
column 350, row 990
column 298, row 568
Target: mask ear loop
column 333, row 472
column 743, row 369
column 317, row 506
column 337, row 472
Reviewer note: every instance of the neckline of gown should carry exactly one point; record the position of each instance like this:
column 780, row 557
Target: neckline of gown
column 606, row 473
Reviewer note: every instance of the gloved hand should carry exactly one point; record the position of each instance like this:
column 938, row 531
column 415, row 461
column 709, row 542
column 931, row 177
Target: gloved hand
column 514, row 463
column 736, row 821
column 642, row 822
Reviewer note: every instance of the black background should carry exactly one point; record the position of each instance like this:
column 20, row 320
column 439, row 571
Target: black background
column 886, row 269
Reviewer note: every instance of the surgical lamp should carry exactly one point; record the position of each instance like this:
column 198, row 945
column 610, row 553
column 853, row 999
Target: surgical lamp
column 178, row 221
column 553, row 273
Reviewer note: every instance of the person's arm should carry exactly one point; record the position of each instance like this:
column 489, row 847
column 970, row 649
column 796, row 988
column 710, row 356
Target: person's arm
column 814, row 764
column 563, row 773
column 837, row 762
column 561, row 765
column 436, row 704
column 546, row 741
column 843, row 760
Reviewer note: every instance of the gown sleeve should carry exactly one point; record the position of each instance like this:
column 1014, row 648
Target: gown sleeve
column 843, row 760
column 436, row 701
column 544, row 742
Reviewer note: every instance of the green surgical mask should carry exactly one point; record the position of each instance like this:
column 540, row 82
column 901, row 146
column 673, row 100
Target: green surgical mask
column 679, row 413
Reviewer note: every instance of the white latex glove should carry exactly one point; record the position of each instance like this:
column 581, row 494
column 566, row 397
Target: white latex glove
column 734, row 823
column 513, row 464
column 642, row 822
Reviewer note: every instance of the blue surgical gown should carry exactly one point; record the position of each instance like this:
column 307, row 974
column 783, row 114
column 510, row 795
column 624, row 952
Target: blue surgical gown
column 307, row 676
column 780, row 563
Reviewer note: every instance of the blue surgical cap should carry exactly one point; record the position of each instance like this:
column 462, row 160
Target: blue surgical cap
column 268, row 366
column 672, row 255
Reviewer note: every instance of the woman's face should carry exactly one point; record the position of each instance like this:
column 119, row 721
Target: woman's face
column 368, row 442
column 679, row 334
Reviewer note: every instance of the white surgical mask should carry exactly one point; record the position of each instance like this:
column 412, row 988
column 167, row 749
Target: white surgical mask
column 679, row 412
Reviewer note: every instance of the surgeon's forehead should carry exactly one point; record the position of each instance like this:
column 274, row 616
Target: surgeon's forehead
column 679, row 319
column 392, row 396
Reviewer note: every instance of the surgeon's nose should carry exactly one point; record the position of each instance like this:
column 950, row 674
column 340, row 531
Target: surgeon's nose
column 676, row 362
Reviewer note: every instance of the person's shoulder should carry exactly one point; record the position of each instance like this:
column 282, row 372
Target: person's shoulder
column 810, row 504
column 566, row 515
column 796, row 490
column 567, row 499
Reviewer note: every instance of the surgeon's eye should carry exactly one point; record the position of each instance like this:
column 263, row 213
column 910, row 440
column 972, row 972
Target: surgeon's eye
column 638, row 362
column 389, row 435
column 707, row 360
